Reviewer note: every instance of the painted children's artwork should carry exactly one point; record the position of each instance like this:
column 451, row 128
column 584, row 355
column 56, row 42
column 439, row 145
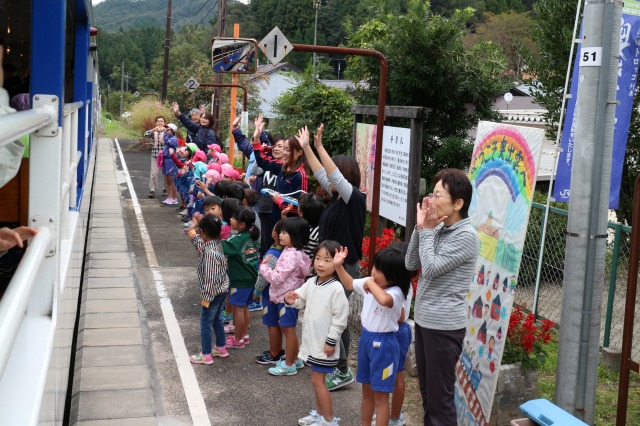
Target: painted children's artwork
column 503, row 173
column 366, row 156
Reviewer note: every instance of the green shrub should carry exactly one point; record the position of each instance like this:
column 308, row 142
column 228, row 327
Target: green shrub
column 144, row 113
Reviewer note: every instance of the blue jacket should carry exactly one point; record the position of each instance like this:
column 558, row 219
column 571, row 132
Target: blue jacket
column 204, row 135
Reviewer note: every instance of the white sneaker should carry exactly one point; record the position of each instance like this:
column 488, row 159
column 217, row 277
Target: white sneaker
column 323, row 422
column 312, row 418
column 172, row 202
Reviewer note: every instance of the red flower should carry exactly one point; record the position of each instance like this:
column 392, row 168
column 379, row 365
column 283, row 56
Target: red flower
column 526, row 339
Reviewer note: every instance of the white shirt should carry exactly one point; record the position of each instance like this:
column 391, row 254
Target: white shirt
column 375, row 317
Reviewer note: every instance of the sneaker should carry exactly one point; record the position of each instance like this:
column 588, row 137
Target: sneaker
column 337, row 379
column 164, row 192
column 266, row 358
column 152, row 194
column 282, row 369
column 182, row 212
column 227, row 318
column 229, row 328
column 221, row 352
column 400, row 421
column 312, row 418
column 172, row 202
column 246, row 339
column 201, row 359
column 323, row 422
column 233, row 343
column 166, row 201
column 299, row 364
column 255, row 306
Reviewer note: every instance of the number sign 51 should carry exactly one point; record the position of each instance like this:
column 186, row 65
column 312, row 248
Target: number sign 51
column 590, row 56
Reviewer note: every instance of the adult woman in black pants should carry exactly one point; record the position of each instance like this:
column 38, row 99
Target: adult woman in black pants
column 342, row 221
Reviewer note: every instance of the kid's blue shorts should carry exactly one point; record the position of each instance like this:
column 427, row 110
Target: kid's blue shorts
column 321, row 369
column 241, row 296
column 287, row 317
column 403, row 336
column 378, row 355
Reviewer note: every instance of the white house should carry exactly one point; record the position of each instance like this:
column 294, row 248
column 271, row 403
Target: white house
column 273, row 80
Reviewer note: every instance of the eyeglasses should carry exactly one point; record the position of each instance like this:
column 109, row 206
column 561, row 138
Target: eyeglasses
column 438, row 196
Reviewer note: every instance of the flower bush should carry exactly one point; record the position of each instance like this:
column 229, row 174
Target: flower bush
column 388, row 236
column 526, row 339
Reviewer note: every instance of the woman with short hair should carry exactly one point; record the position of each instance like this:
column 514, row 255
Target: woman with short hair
column 445, row 245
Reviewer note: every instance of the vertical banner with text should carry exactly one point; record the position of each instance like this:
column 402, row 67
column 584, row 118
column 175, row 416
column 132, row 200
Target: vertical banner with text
column 394, row 179
column 628, row 65
column 503, row 173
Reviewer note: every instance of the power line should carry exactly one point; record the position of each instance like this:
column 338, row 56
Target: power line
column 194, row 15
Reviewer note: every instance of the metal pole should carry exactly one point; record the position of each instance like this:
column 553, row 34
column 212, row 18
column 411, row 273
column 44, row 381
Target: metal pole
column 232, row 106
column 382, row 97
column 167, row 43
column 222, row 18
column 588, row 211
column 122, row 90
column 316, row 4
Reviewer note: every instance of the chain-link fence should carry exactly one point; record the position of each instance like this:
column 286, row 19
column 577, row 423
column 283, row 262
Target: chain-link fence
column 549, row 295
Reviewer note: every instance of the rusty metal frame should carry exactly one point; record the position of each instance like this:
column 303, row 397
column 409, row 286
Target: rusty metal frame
column 382, row 92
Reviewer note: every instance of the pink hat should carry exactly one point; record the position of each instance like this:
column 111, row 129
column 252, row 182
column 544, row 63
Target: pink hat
column 214, row 175
column 222, row 157
column 199, row 156
column 226, row 166
column 232, row 173
column 214, row 166
column 214, row 147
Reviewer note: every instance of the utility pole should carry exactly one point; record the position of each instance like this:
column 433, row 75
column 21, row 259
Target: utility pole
column 588, row 211
column 316, row 4
column 167, row 43
column 222, row 18
column 122, row 90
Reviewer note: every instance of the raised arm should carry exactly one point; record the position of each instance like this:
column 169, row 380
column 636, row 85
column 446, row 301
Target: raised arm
column 303, row 140
column 338, row 261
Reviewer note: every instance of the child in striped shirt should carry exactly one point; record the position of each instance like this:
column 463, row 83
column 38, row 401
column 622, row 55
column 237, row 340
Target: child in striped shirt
column 214, row 285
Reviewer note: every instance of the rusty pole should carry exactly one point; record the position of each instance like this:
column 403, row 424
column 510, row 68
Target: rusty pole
column 626, row 363
column 382, row 92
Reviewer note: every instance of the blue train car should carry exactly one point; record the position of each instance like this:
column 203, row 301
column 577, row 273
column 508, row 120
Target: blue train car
column 49, row 54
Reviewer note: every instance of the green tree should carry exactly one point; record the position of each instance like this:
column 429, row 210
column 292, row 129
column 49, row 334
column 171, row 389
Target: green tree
column 552, row 32
column 509, row 30
column 329, row 106
column 458, row 85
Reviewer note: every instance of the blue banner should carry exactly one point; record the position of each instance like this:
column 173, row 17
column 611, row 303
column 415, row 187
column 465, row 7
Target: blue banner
column 628, row 64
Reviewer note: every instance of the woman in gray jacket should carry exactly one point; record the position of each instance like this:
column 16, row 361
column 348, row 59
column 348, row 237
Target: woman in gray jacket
column 445, row 245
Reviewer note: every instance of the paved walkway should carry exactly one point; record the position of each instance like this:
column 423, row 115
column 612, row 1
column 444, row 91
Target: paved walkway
column 112, row 380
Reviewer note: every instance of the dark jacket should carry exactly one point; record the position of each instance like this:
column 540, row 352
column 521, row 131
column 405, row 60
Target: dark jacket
column 204, row 136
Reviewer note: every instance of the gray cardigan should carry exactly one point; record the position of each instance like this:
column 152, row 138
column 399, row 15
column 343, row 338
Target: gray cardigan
column 447, row 256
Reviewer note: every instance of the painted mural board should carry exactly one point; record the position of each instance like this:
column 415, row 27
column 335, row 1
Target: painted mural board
column 503, row 173
column 394, row 179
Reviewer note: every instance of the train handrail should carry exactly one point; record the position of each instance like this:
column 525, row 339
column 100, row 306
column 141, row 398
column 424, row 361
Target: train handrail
column 13, row 304
column 18, row 124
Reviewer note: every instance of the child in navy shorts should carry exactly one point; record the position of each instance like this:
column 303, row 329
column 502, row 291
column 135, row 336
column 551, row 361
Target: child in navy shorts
column 325, row 318
column 275, row 352
column 384, row 294
column 289, row 274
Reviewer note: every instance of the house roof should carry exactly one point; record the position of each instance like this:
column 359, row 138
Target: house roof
column 270, row 69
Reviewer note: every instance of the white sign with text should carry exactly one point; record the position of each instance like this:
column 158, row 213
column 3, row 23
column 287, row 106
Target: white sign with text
column 394, row 179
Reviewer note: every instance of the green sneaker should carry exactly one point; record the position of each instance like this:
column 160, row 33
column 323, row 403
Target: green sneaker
column 337, row 379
